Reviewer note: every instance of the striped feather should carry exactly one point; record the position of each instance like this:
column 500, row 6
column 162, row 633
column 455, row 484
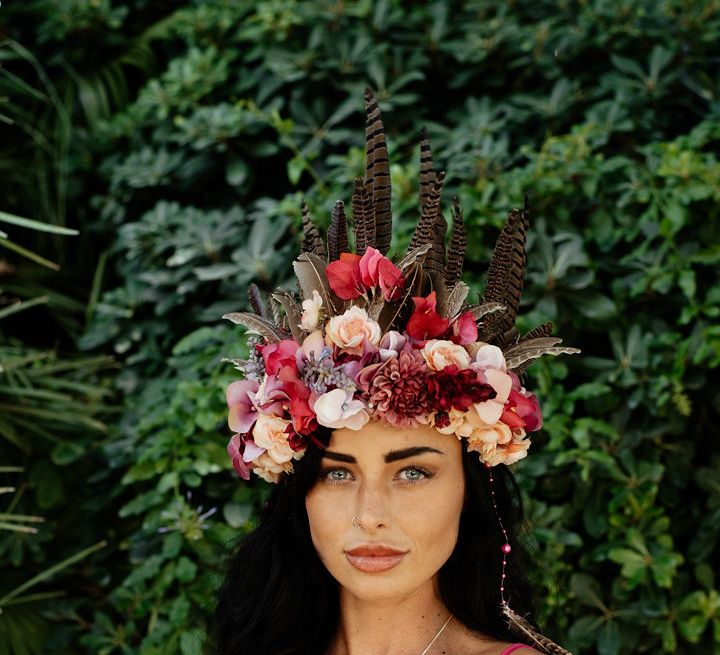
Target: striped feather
column 458, row 246
column 337, row 236
column 312, row 241
column 358, row 214
column 377, row 173
column 427, row 174
column 455, row 299
column 543, row 330
column 521, row 627
column 256, row 300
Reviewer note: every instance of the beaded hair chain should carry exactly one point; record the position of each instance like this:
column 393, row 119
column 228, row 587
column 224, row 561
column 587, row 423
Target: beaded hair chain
column 517, row 623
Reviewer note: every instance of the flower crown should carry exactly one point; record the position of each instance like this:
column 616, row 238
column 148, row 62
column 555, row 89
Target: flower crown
column 395, row 342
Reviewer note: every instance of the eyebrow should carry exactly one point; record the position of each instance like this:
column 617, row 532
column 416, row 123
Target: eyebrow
column 392, row 456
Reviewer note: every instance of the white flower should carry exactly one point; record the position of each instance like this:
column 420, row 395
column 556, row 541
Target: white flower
column 338, row 409
column 312, row 311
column 488, row 356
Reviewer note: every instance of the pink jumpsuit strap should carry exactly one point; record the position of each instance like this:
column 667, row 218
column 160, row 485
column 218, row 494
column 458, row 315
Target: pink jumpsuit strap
column 512, row 648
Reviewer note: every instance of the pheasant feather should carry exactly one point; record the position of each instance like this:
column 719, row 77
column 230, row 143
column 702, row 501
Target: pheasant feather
column 337, row 237
column 458, row 246
column 377, row 173
column 312, row 241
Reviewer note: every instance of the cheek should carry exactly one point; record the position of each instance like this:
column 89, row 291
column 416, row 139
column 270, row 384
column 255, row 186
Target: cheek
column 325, row 522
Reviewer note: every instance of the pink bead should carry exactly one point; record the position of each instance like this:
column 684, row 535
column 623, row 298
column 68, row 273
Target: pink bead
column 506, row 548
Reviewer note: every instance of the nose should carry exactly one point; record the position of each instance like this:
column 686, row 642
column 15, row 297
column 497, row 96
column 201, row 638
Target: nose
column 372, row 506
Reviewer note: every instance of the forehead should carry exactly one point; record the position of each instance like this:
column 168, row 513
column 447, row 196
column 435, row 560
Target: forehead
column 378, row 438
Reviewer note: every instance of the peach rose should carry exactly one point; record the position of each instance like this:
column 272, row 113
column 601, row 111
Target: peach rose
column 351, row 330
column 497, row 453
column 269, row 470
column 439, row 353
column 269, row 433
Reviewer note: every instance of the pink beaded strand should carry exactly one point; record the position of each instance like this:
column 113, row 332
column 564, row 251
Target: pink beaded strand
column 505, row 548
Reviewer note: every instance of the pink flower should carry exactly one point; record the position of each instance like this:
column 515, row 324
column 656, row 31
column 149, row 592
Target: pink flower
column 378, row 270
column 391, row 344
column 464, row 329
column 277, row 355
column 522, row 411
column 344, row 276
column 491, row 410
column 240, row 397
column 241, row 452
column 425, row 322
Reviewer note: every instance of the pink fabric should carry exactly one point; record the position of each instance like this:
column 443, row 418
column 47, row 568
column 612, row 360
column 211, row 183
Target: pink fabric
column 512, row 648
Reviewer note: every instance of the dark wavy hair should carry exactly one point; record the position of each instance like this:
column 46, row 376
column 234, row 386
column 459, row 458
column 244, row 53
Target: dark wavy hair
column 278, row 598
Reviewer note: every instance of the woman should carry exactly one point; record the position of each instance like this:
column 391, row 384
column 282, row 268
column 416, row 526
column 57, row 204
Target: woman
column 387, row 411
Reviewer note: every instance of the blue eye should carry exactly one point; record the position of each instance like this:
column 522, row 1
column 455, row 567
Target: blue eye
column 335, row 475
column 414, row 474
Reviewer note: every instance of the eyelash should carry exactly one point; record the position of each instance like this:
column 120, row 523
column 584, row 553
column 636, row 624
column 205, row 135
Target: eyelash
column 324, row 474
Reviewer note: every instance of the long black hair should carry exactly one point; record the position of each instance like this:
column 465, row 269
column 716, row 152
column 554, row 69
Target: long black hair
column 279, row 599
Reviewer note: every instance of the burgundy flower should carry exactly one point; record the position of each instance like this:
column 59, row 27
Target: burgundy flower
column 396, row 390
column 453, row 389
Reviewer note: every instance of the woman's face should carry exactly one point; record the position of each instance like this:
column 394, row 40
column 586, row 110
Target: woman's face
column 406, row 487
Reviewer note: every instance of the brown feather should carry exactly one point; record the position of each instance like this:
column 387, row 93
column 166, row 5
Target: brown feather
column 412, row 256
column 427, row 174
column 393, row 314
column 458, row 246
column 358, row 213
column 266, row 329
column 455, row 299
column 534, row 348
column 506, row 272
column 337, row 236
column 312, row 241
column 293, row 311
column 543, row 330
column 377, row 174
column 369, row 214
column 522, row 627
column 429, row 229
column 310, row 272
column 256, row 300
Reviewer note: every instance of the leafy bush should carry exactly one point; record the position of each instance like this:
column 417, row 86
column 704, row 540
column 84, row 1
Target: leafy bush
column 190, row 129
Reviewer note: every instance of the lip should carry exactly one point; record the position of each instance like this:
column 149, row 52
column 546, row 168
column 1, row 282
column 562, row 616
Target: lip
column 374, row 558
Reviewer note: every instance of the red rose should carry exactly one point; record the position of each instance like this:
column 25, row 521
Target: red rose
column 425, row 322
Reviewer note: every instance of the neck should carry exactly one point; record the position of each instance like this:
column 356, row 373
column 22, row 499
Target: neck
column 396, row 626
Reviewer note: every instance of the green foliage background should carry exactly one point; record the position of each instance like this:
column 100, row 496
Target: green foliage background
column 178, row 137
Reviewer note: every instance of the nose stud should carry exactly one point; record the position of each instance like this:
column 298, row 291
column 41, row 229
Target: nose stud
column 356, row 522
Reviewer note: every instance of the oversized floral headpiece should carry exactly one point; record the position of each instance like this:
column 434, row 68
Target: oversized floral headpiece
column 395, row 342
